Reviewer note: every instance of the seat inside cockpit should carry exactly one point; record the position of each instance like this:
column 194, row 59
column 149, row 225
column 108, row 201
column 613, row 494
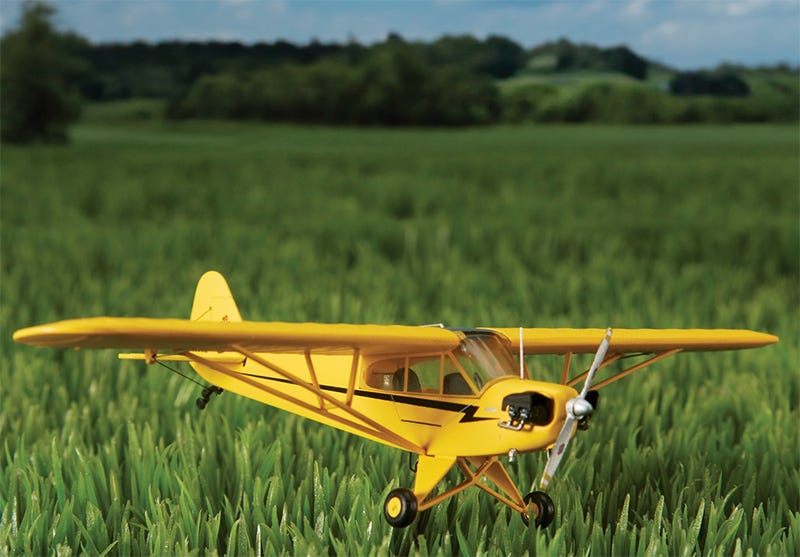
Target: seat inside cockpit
column 434, row 374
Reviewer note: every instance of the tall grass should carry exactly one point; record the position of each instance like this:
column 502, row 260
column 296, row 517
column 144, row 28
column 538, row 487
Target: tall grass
column 661, row 227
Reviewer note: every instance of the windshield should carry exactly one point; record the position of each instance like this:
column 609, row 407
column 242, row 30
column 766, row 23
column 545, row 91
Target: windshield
column 484, row 357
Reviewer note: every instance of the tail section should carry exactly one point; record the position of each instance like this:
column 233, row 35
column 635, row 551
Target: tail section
column 213, row 300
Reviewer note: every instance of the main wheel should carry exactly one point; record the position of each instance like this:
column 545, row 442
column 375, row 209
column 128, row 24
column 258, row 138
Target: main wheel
column 540, row 507
column 400, row 507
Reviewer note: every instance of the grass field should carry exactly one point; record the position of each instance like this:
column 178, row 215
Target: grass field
column 548, row 226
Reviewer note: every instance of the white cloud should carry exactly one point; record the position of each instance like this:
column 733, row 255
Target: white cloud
column 664, row 31
column 694, row 42
column 136, row 13
column 596, row 7
column 278, row 6
column 746, row 7
column 636, row 8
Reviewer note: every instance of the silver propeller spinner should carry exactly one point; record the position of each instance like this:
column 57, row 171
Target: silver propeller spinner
column 577, row 408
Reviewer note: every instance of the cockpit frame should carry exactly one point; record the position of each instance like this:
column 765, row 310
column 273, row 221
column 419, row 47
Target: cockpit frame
column 481, row 357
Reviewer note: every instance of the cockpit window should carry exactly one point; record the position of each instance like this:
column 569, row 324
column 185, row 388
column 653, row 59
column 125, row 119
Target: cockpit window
column 483, row 358
column 413, row 375
column 388, row 375
column 478, row 359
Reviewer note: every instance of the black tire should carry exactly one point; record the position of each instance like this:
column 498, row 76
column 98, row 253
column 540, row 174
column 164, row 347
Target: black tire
column 400, row 507
column 541, row 509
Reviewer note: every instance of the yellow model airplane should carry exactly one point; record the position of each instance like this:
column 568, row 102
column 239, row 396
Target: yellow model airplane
column 455, row 397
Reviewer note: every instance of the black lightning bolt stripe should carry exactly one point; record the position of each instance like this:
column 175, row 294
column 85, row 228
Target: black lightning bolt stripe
column 468, row 410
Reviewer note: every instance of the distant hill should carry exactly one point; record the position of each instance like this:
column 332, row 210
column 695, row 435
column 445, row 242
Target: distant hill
column 565, row 56
column 567, row 82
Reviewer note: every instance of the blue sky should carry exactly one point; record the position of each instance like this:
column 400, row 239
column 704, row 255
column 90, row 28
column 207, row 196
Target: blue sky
column 684, row 34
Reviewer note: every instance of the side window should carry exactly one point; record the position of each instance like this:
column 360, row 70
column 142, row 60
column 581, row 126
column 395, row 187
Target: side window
column 421, row 375
column 428, row 371
column 387, row 375
column 453, row 382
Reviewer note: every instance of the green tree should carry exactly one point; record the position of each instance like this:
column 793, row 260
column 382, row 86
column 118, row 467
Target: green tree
column 37, row 102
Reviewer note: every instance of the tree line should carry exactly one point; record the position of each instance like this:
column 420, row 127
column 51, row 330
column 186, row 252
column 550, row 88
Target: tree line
column 394, row 83
column 454, row 80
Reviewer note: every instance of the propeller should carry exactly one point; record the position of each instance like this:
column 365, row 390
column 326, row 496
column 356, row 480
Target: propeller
column 577, row 408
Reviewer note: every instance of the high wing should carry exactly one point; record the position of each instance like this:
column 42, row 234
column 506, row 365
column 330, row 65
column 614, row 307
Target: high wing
column 658, row 343
column 244, row 345
column 182, row 335
column 624, row 341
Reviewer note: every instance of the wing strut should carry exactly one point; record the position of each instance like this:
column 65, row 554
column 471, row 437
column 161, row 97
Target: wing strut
column 648, row 362
column 657, row 357
column 356, row 420
column 313, row 374
column 565, row 370
column 605, row 363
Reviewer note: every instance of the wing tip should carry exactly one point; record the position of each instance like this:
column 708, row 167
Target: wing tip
column 21, row 335
column 770, row 339
column 43, row 336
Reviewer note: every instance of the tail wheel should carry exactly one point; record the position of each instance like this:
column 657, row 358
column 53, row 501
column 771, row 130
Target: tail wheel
column 540, row 507
column 400, row 507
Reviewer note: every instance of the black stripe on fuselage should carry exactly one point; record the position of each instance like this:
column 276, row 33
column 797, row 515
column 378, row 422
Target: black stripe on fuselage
column 420, row 423
column 468, row 410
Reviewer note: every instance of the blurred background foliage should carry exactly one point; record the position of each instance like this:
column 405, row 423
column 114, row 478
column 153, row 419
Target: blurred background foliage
column 452, row 81
column 38, row 79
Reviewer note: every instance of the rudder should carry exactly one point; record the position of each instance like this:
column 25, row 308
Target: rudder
column 213, row 300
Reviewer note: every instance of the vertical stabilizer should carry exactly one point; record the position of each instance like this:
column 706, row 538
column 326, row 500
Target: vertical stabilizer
column 213, row 300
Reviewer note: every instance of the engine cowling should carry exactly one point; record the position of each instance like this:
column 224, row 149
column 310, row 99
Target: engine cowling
column 527, row 408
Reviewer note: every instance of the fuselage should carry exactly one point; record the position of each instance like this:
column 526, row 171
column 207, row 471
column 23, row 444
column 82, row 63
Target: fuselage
column 445, row 404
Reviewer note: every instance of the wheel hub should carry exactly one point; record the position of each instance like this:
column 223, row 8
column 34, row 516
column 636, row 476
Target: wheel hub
column 393, row 507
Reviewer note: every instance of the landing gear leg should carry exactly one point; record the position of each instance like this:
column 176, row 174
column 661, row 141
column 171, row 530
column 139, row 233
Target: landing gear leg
column 540, row 507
